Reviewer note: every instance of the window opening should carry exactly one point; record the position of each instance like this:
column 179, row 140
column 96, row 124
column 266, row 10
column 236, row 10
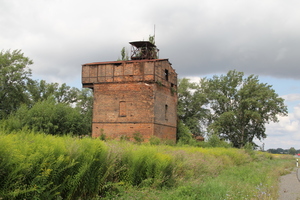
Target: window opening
column 166, row 74
column 122, row 109
column 166, row 112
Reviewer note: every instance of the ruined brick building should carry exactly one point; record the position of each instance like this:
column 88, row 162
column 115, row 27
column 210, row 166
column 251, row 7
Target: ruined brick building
column 138, row 95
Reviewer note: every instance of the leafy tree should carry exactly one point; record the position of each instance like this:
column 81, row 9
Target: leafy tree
column 14, row 76
column 85, row 106
column 292, row 151
column 191, row 110
column 124, row 54
column 42, row 106
column 41, row 90
column 280, row 150
column 240, row 107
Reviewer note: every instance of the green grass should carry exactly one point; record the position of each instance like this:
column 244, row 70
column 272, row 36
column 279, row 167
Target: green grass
column 251, row 181
column 39, row 166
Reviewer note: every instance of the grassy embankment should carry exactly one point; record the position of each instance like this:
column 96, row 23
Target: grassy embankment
column 37, row 166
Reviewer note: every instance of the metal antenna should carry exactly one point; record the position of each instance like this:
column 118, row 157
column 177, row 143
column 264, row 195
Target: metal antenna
column 154, row 33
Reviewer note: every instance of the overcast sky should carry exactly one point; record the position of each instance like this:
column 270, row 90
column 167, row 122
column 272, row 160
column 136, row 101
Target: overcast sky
column 200, row 38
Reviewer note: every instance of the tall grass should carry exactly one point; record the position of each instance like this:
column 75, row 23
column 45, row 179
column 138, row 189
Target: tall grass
column 39, row 166
column 44, row 167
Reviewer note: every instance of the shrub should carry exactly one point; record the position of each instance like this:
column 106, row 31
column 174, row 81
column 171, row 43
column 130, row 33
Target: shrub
column 154, row 140
column 48, row 117
column 215, row 141
column 124, row 138
column 138, row 137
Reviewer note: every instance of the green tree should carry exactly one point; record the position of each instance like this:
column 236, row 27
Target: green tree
column 292, row 151
column 191, row 106
column 240, row 107
column 14, row 77
column 124, row 54
column 41, row 90
column 48, row 107
column 85, row 106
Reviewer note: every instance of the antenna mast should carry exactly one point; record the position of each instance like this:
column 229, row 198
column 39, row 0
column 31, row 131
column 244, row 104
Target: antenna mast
column 154, row 34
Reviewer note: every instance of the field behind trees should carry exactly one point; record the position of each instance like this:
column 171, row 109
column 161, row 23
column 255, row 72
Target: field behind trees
column 40, row 166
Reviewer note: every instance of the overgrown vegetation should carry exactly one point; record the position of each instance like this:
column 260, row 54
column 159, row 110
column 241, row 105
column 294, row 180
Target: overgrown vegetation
column 47, row 107
column 40, row 166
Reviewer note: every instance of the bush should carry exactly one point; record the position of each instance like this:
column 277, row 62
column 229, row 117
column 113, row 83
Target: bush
column 215, row 141
column 154, row 140
column 48, row 117
column 138, row 137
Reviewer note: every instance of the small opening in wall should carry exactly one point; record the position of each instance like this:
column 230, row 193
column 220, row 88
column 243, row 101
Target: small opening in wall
column 166, row 74
column 166, row 112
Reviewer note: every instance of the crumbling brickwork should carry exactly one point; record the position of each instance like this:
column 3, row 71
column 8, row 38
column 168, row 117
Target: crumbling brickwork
column 133, row 96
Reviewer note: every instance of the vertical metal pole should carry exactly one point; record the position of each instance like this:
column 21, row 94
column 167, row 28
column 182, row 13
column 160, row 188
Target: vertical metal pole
column 297, row 163
column 154, row 34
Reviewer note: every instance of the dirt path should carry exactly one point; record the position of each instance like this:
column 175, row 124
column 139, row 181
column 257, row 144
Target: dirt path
column 289, row 186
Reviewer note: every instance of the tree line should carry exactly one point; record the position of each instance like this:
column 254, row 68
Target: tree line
column 230, row 107
column 291, row 151
column 44, row 107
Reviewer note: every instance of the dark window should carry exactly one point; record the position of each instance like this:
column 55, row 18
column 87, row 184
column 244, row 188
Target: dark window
column 166, row 74
column 166, row 112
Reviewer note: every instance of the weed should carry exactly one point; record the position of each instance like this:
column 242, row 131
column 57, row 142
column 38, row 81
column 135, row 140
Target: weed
column 138, row 137
column 159, row 83
column 154, row 140
column 124, row 138
column 102, row 135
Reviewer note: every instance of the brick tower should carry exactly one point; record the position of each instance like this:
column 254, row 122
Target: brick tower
column 132, row 96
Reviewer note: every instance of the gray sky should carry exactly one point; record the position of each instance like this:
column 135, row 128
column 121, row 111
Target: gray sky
column 200, row 38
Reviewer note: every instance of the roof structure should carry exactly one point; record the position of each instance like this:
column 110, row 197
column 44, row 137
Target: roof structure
column 141, row 50
column 140, row 44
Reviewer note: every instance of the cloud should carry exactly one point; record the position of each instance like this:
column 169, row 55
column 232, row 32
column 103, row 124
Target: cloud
column 199, row 37
column 291, row 97
column 285, row 133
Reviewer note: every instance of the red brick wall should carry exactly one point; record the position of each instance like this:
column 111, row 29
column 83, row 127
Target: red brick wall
column 133, row 96
column 117, row 130
column 137, row 97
